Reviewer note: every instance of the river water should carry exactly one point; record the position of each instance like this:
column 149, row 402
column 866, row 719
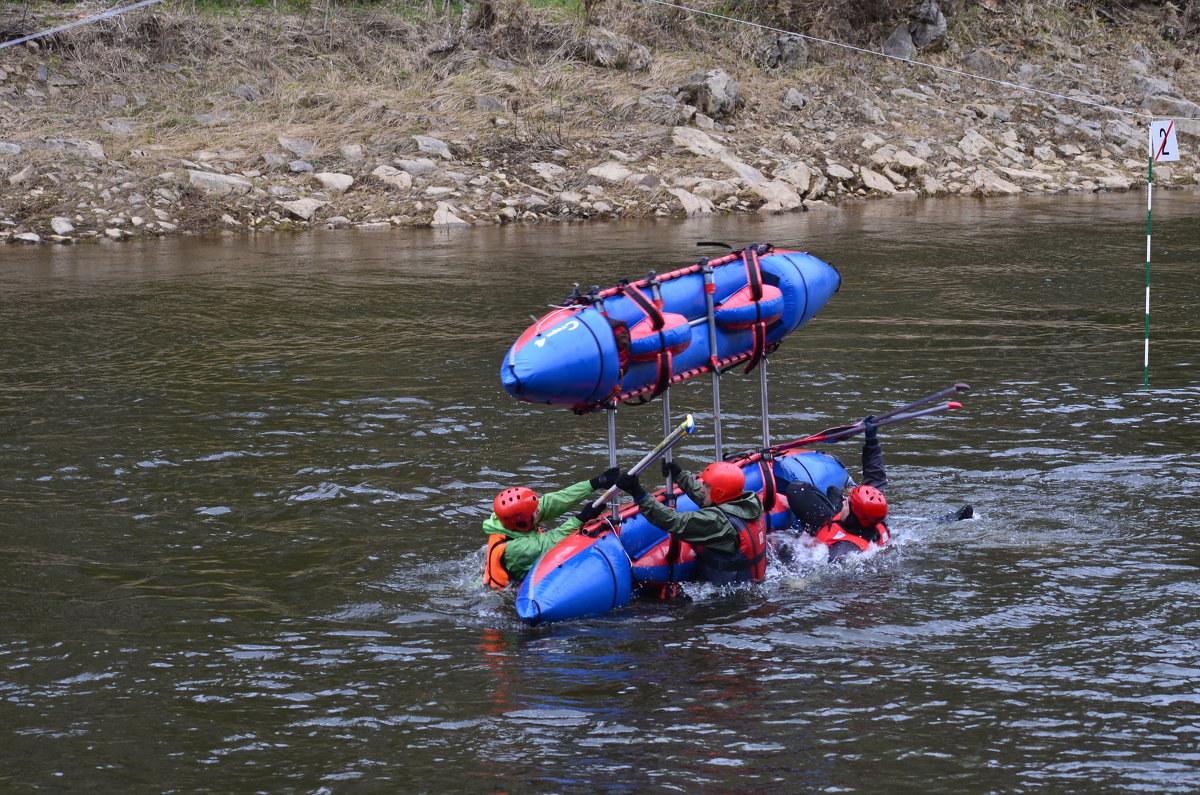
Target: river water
column 242, row 482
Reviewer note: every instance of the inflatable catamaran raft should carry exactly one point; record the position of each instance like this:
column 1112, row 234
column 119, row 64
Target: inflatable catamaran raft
column 619, row 555
column 633, row 341
column 629, row 344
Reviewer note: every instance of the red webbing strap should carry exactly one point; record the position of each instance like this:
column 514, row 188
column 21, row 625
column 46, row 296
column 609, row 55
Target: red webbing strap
column 760, row 346
column 663, row 379
column 754, row 279
column 768, row 479
column 721, row 364
column 753, row 273
column 646, row 305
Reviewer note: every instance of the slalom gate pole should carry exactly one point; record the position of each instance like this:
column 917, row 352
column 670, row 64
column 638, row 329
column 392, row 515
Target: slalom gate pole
column 1164, row 148
column 683, row 429
column 1149, row 205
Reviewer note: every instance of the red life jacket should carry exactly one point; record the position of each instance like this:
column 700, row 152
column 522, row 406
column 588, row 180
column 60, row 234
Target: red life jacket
column 494, row 573
column 835, row 531
column 748, row 564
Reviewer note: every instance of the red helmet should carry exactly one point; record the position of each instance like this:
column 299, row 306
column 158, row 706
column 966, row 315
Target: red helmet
column 725, row 481
column 868, row 504
column 516, row 508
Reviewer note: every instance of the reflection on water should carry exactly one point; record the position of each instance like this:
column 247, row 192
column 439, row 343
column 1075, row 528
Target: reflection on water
column 243, row 482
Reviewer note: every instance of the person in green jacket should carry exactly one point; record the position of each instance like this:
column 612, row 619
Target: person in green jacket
column 728, row 525
column 515, row 537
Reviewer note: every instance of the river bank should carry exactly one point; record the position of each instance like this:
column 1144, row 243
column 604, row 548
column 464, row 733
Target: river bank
column 160, row 122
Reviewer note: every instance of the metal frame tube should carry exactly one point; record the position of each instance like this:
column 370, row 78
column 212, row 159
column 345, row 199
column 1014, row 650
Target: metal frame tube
column 709, row 286
column 762, row 392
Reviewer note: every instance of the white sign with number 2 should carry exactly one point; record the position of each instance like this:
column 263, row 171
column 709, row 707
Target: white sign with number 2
column 1163, row 147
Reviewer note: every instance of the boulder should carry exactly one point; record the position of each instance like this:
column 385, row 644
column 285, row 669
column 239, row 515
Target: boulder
column 986, row 182
column 489, row 104
column 303, row 209
column 610, row 172
column 433, row 146
column 798, row 175
column 334, row 182
column 74, row 146
column 713, row 93
column 900, row 44
column 219, row 184
column 693, row 205
column 422, row 165
column 302, row 148
column 793, row 99
column 975, row 144
column 928, row 27
column 875, row 181
column 24, row 175
column 661, row 107
column 445, row 216
column 780, row 51
column 613, row 51
column 393, row 176
column 781, row 197
column 697, row 142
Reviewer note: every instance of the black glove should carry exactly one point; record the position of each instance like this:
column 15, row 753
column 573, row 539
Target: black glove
column 872, row 433
column 631, row 485
column 589, row 513
column 606, row 478
column 672, row 470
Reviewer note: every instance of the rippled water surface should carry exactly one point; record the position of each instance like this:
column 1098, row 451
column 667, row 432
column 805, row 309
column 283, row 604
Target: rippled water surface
column 242, row 482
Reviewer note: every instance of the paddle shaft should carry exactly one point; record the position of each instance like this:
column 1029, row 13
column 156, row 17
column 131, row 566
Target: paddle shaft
column 846, row 431
column 684, row 428
column 842, row 431
column 959, row 387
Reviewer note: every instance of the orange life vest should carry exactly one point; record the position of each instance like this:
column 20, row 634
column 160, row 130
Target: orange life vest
column 494, row 573
column 834, row 532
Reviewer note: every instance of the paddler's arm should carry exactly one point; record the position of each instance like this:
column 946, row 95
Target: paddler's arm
column 705, row 526
column 556, row 503
column 873, row 471
column 690, row 486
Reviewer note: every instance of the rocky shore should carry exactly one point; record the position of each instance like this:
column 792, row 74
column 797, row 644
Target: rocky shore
column 161, row 123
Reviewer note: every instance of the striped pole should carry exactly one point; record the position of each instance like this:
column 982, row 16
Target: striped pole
column 1149, row 227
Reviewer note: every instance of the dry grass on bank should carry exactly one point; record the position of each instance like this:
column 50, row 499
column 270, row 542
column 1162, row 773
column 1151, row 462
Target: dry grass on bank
column 371, row 75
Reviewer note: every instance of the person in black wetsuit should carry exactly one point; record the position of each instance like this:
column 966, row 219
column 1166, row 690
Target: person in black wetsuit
column 849, row 523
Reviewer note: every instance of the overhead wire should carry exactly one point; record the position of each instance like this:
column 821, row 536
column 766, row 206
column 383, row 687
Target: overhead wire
column 909, row 61
column 699, row 12
column 85, row 21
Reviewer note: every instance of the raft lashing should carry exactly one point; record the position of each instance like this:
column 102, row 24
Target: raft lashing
column 633, row 341
column 601, row 568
